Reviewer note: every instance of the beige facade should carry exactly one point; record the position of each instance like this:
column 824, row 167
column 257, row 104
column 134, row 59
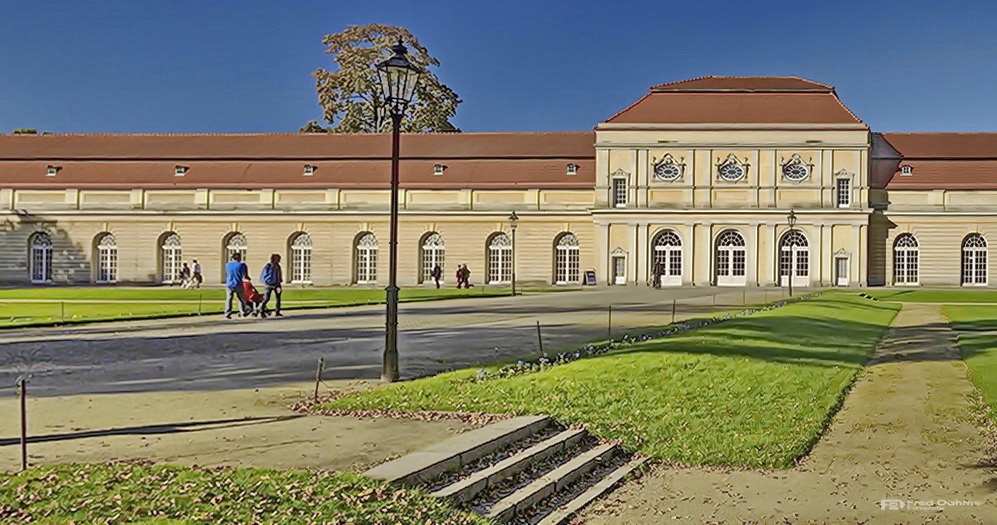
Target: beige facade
column 671, row 187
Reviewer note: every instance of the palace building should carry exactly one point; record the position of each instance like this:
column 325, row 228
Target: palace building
column 698, row 175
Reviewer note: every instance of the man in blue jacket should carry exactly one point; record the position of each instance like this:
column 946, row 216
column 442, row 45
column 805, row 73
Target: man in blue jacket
column 236, row 271
column 272, row 278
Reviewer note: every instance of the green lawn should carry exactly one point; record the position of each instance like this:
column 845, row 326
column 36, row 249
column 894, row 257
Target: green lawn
column 754, row 391
column 172, row 494
column 935, row 296
column 977, row 329
column 91, row 304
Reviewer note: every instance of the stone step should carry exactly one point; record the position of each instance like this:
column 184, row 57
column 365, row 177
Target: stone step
column 467, row 488
column 562, row 514
column 450, row 455
column 519, row 501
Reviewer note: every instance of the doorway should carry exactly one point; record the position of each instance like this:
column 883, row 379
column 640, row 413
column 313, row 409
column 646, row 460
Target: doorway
column 841, row 271
column 619, row 265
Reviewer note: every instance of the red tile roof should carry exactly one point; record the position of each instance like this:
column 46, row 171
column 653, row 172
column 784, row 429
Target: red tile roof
column 733, row 83
column 943, row 161
column 296, row 146
column 738, row 108
column 473, row 160
column 946, row 175
column 944, row 145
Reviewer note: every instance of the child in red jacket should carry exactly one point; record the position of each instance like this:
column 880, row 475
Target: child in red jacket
column 253, row 297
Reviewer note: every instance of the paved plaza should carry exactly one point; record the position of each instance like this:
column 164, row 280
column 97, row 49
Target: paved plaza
column 211, row 353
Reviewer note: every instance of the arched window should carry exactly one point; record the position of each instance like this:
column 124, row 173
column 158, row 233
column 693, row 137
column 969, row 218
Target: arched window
column 666, row 258
column 171, row 253
column 731, row 259
column 235, row 243
column 40, row 258
column 905, row 260
column 499, row 259
column 974, row 260
column 432, row 253
column 232, row 244
column 366, row 258
column 566, row 259
column 301, row 258
column 794, row 259
column 106, row 255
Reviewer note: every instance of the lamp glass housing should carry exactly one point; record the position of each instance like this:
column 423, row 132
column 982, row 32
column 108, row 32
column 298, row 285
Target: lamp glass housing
column 398, row 78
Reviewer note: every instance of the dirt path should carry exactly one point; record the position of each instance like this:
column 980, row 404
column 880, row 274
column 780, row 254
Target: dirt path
column 905, row 433
column 250, row 428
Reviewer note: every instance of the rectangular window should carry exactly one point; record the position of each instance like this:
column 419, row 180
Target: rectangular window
column 843, row 191
column 619, row 192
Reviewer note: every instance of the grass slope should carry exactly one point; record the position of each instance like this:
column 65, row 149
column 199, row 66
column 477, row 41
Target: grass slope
column 977, row 330
column 167, row 302
column 935, row 296
column 754, row 391
column 172, row 494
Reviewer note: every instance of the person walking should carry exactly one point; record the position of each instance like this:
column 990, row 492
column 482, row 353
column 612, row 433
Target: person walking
column 198, row 278
column 466, row 272
column 236, row 272
column 657, row 272
column 272, row 278
column 437, row 274
column 460, row 276
column 185, row 276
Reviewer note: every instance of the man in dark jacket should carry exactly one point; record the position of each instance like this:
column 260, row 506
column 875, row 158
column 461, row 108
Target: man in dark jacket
column 436, row 274
column 272, row 278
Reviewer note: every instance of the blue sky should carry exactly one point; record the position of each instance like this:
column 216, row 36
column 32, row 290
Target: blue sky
column 244, row 66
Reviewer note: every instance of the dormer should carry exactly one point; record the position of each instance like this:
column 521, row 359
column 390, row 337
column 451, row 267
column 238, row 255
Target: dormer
column 180, row 171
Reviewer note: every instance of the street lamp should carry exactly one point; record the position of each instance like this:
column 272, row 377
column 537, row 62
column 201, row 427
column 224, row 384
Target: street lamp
column 513, row 222
column 398, row 78
column 792, row 244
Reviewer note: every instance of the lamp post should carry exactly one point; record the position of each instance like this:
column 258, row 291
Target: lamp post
column 513, row 222
column 398, row 78
column 792, row 253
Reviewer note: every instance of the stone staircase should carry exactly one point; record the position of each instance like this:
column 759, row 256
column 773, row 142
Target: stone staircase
column 524, row 470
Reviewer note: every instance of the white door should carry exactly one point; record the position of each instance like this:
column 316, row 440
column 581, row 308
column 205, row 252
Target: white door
column 670, row 259
column 841, row 271
column 619, row 270
column 731, row 259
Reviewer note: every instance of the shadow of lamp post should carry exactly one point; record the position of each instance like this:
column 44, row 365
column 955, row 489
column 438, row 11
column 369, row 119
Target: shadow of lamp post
column 398, row 78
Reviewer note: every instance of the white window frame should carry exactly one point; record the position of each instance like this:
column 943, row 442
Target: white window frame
column 107, row 259
column 567, row 267
column 172, row 258
column 906, row 260
column 666, row 248
column 40, row 258
column 366, row 249
column 843, row 192
column 619, row 192
column 433, row 251
column 974, row 261
column 499, row 267
column 794, row 258
column 731, row 259
column 301, row 259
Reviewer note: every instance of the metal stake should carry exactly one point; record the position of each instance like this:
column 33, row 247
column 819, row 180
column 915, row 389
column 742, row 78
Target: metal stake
column 673, row 311
column 540, row 339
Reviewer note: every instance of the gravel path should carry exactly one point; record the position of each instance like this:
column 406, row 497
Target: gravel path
column 905, row 433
